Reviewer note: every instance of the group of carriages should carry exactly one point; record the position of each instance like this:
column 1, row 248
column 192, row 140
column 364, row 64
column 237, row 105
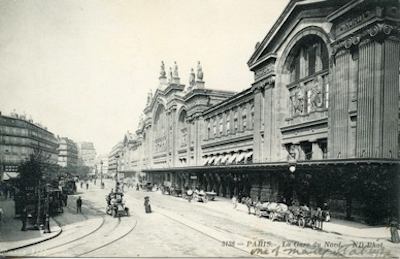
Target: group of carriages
column 303, row 216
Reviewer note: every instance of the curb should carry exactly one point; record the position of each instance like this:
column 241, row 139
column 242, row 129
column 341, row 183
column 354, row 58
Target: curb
column 34, row 243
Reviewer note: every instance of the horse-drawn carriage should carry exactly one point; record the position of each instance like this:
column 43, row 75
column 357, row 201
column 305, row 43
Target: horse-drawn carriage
column 272, row 210
column 115, row 205
column 304, row 216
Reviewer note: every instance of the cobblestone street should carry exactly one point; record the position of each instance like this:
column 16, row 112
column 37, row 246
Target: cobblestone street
column 179, row 228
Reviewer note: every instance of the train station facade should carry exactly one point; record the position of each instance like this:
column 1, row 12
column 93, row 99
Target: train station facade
column 320, row 122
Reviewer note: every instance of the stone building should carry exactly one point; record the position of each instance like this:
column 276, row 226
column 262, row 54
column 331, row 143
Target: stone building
column 113, row 159
column 67, row 152
column 19, row 138
column 320, row 122
column 87, row 154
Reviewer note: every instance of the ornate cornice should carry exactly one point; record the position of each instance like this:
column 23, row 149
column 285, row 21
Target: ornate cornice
column 266, row 83
column 377, row 31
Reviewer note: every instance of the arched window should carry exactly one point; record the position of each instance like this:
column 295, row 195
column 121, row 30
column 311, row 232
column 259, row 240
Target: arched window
column 160, row 129
column 228, row 123
column 235, row 121
column 244, row 118
column 214, row 127
column 221, row 125
column 252, row 116
column 208, row 129
column 308, row 68
column 183, row 129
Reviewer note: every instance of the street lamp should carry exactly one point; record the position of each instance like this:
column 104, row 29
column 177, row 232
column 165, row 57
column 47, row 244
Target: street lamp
column 101, row 174
column 116, row 173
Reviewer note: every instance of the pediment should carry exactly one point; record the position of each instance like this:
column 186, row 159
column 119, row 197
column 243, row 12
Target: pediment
column 292, row 15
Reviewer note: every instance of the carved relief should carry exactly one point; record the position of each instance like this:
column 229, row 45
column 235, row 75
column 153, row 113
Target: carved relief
column 298, row 101
column 316, row 95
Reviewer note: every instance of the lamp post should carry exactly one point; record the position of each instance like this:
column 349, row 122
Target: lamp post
column 101, row 174
column 116, row 173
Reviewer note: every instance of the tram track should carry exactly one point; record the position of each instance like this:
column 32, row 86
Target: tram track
column 99, row 233
column 205, row 233
column 76, row 239
column 110, row 242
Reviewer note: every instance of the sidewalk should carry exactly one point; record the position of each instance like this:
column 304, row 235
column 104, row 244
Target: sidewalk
column 336, row 226
column 11, row 236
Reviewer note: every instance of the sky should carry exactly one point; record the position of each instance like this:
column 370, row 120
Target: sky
column 83, row 68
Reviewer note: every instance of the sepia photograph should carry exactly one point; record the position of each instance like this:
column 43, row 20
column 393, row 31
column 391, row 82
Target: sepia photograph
column 199, row 128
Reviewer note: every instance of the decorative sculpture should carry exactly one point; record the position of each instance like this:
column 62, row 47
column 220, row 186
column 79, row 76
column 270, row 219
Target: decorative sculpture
column 298, row 102
column 316, row 96
column 192, row 77
column 162, row 72
column 176, row 75
column 199, row 72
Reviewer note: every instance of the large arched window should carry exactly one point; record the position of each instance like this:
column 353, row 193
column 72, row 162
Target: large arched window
column 160, row 129
column 308, row 63
column 183, row 129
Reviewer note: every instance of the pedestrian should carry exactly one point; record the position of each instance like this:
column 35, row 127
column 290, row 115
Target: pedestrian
column 81, row 184
column 87, row 185
column 394, row 226
column 234, row 201
column 47, row 224
column 24, row 216
column 79, row 205
column 65, row 199
column 1, row 215
column 147, row 207
column 326, row 212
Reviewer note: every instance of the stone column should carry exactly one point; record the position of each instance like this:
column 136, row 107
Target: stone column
column 378, row 98
column 257, row 149
column 270, row 139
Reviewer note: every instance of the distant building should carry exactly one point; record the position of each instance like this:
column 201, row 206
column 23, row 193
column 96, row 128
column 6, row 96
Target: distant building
column 19, row 138
column 102, row 165
column 87, row 154
column 67, row 152
column 112, row 160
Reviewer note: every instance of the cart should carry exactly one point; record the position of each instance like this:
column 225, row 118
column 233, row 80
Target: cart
column 211, row 196
column 115, row 205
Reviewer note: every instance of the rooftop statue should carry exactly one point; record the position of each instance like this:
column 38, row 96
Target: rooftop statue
column 162, row 72
column 176, row 75
column 192, row 77
column 199, row 72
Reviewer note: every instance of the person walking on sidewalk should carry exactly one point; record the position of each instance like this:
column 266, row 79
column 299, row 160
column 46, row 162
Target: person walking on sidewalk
column 394, row 234
column 24, row 216
column 79, row 205
column 87, row 185
column 234, row 202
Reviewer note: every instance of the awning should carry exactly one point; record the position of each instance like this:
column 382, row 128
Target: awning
column 225, row 159
column 212, row 159
column 240, row 158
column 232, row 158
column 218, row 160
column 206, row 159
column 248, row 156
column 10, row 175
